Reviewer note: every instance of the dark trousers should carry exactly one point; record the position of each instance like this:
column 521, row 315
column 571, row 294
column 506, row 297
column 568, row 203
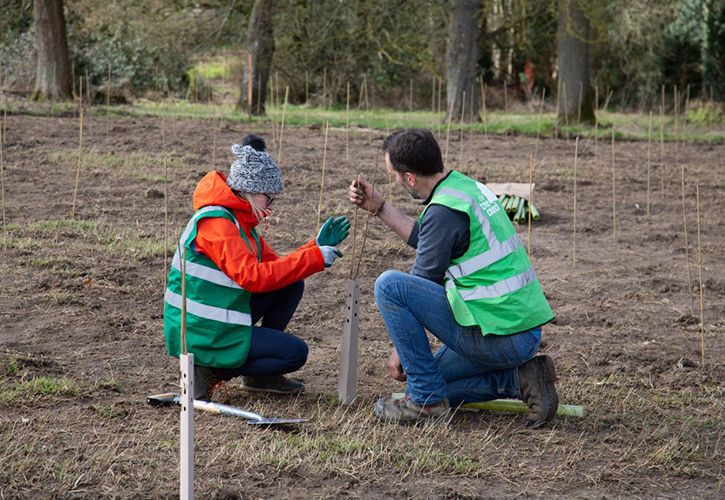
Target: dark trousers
column 273, row 352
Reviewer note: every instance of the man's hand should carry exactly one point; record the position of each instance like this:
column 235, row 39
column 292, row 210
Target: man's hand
column 395, row 368
column 333, row 231
column 362, row 194
column 330, row 254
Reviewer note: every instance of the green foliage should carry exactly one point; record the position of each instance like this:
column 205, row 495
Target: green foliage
column 714, row 53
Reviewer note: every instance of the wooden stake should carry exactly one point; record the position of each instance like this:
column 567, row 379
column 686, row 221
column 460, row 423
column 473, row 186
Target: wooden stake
column 702, row 288
column 676, row 111
column 166, row 199
column 573, row 244
column 649, row 159
column 80, row 149
column 614, row 198
column 411, row 96
column 687, row 246
column 259, row 94
column 347, row 124
column 322, row 180
column 281, row 129
column 687, row 102
column 531, row 197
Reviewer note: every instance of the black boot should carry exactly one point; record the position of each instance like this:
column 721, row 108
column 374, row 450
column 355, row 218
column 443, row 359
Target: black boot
column 273, row 383
column 536, row 383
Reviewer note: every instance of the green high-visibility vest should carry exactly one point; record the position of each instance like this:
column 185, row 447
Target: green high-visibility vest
column 218, row 314
column 493, row 284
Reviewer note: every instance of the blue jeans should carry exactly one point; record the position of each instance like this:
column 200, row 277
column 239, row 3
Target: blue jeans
column 469, row 367
column 273, row 352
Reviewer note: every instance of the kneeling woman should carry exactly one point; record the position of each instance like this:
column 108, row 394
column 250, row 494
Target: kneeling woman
column 234, row 280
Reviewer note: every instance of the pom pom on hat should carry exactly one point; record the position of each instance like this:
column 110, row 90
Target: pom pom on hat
column 254, row 171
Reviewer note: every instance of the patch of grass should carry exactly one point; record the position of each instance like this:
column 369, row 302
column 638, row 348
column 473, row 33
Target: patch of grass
column 12, row 368
column 39, row 387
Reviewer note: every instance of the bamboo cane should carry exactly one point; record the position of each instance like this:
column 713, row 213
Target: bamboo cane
column 505, row 97
column 324, row 88
column 463, row 112
column 676, row 111
column 448, row 132
column 579, row 104
column 108, row 102
column 367, row 217
column 347, row 124
column 558, row 101
column 250, row 87
column 80, row 150
column 702, row 288
column 687, row 246
column 440, row 102
column 322, row 179
column 662, row 149
column 166, row 200
column 687, row 102
column 354, row 233
column 541, row 119
column 614, row 198
column 566, row 109
column 2, row 184
column 531, row 198
column 596, row 118
column 281, row 129
column 307, row 87
column 573, row 245
column 410, row 107
column 649, row 159
column 485, row 117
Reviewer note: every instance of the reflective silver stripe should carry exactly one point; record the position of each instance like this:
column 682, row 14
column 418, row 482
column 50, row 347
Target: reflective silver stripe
column 503, row 287
column 201, row 211
column 204, row 273
column 482, row 219
column 209, row 312
column 497, row 252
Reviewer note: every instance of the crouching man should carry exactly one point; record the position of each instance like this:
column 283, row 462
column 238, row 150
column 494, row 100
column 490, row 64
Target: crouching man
column 472, row 286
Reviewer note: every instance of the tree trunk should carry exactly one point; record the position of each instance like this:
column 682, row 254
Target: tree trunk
column 576, row 99
column 260, row 43
column 53, row 75
column 462, row 59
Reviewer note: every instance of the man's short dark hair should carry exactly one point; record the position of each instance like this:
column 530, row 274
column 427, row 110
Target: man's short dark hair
column 414, row 150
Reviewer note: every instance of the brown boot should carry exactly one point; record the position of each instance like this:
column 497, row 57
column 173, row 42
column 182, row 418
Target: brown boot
column 536, row 383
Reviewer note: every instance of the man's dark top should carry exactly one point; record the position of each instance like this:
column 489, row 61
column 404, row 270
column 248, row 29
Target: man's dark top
column 442, row 236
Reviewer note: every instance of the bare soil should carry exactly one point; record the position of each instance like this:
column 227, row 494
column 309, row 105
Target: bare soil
column 81, row 305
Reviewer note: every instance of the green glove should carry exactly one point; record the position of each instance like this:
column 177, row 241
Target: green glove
column 333, row 231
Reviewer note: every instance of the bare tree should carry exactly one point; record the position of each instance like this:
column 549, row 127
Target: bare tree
column 53, row 72
column 576, row 101
column 462, row 58
column 260, row 43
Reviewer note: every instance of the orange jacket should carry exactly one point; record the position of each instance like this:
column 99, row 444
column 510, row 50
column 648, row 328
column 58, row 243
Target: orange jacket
column 220, row 241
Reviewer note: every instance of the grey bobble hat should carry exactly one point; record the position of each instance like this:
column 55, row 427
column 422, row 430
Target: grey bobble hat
column 254, row 170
